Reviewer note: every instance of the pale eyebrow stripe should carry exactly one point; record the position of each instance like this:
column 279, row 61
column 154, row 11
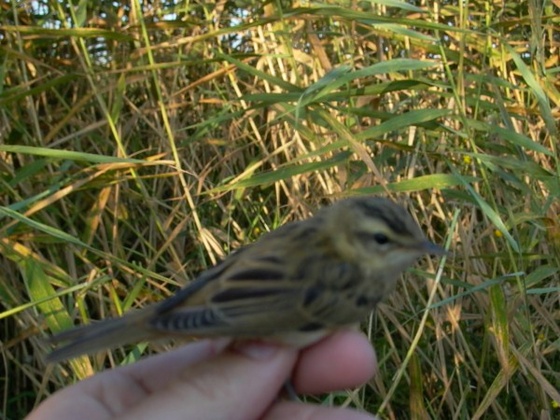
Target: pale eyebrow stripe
column 391, row 218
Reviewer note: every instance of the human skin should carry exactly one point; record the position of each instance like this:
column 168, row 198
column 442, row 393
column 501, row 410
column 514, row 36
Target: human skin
column 211, row 379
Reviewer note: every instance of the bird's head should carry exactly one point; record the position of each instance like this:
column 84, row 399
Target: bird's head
column 377, row 234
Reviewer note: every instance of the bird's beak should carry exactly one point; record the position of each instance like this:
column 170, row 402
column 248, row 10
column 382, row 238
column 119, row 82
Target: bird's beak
column 430, row 248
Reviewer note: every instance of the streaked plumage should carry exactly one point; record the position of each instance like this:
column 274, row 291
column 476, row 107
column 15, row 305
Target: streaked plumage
column 294, row 285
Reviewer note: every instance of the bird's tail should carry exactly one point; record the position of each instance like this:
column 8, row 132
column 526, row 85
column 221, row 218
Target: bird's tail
column 101, row 335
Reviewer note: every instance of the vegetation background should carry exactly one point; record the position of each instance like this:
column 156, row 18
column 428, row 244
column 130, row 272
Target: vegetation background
column 142, row 141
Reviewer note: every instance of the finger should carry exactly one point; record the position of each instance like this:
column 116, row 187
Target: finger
column 213, row 389
column 155, row 372
column 110, row 392
column 292, row 410
column 345, row 359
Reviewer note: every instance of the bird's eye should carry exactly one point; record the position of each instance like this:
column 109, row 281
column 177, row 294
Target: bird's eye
column 368, row 238
column 380, row 238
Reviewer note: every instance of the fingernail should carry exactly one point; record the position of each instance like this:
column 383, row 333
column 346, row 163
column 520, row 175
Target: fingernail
column 257, row 350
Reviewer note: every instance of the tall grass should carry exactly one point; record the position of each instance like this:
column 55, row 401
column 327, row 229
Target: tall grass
column 142, row 143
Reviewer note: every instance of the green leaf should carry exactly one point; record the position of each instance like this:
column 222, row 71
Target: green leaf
column 500, row 323
column 398, row 122
column 43, row 295
column 420, row 183
column 284, row 172
column 533, row 83
column 493, row 216
column 67, row 154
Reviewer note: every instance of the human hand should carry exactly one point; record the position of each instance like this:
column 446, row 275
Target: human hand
column 204, row 381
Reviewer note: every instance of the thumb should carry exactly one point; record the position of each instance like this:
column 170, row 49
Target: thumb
column 240, row 383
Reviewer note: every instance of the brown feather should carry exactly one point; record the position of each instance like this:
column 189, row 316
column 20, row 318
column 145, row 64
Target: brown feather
column 294, row 284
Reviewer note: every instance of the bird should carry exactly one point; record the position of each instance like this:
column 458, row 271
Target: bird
column 293, row 286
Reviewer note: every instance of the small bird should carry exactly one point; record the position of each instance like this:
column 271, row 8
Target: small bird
column 294, row 285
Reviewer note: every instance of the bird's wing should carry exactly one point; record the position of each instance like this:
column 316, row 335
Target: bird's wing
column 241, row 297
column 265, row 293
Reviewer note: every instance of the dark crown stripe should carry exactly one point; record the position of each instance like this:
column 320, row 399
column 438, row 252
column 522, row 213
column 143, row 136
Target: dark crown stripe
column 393, row 217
